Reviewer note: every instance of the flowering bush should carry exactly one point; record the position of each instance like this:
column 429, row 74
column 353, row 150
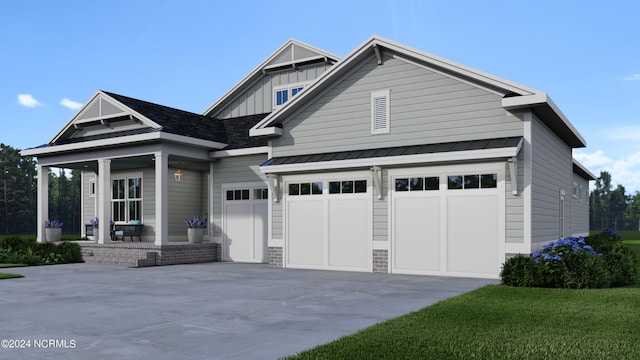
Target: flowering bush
column 551, row 258
column 196, row 223
column 52, row 224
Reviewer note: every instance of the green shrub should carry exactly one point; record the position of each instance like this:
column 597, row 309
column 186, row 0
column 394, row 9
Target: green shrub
column 521, row 271
column 16, row 243
column 622, row 269
column 584, row 270
column 70, row 252
column 16, row 250
column 604, row 241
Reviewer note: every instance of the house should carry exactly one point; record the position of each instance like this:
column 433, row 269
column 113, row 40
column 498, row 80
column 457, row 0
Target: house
column 387, row 160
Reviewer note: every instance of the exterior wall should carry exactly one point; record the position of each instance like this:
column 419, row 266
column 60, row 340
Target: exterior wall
column 258, row 99
column 88, row 202
column 381, row 210
column 515, row 204
column 186, row 200
column 233, row 170
column 551, row 172
column 580, row 207
column 425, row 107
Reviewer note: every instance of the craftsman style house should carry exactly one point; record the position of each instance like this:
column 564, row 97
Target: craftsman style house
column 387, row 160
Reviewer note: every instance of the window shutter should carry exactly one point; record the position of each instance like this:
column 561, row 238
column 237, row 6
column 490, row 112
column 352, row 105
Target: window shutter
column 380, row 112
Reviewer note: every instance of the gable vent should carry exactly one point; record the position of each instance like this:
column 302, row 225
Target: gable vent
column 380, row 112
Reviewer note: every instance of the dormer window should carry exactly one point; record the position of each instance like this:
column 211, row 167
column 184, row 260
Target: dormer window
column 282, row 94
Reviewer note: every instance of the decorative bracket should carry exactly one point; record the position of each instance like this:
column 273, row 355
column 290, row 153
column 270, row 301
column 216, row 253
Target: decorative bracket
column 376, row 175
column 376, row 49
column 513, row 172
column 274, row 186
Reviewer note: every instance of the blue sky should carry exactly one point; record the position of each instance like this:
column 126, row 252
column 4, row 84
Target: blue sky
column 55, row 55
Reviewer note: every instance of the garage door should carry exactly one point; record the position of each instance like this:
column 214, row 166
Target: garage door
column 447, row 224
column 328, row 224
column 245, row 224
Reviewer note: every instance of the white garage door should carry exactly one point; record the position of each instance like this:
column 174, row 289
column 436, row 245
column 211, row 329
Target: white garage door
column 245, row 224
column 328, row 224
column 447, row 224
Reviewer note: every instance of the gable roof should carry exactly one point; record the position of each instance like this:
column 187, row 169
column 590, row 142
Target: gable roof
column 291, row 54
column 105, row 107
column 515, row 95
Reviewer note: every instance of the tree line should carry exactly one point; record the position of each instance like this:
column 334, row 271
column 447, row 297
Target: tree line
column 19, row 189
column 609, row 207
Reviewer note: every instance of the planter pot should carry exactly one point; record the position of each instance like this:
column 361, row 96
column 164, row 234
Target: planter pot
column 53, row 234
column 195, row 235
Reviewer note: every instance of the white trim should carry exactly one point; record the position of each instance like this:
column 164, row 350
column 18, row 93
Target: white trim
column 375, row 95
column 126, row 176
column 121, row 141
column 239, row 152
column 583, row 168
column 274, row 131
column 528, row 178
column 506, row 152
column 517, row 248
column 287, row 87
column 92, row 187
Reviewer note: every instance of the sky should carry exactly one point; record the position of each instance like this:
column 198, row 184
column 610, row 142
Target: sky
column 55, row 55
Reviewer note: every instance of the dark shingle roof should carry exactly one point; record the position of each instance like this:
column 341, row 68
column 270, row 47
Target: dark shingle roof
column 237, row 130
column 397, row 151
column 175, row 121
column 110, row 135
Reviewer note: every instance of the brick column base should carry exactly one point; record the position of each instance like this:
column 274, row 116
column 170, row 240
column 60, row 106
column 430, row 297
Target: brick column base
column 275, row 256
column 380, row 261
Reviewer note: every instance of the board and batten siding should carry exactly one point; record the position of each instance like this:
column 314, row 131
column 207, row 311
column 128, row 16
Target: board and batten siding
column 233, row 170
column 551, row 171
column 580, row 207
column 258, row 99
column 425, row 107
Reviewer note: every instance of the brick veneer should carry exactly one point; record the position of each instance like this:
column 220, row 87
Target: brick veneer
column 148, row 254
column 380, row 261
column 275, row 256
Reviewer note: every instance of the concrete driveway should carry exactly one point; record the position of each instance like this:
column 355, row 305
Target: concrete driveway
column 201, row 311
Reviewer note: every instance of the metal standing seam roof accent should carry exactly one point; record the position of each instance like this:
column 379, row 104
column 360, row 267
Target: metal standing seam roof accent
column 397, row 151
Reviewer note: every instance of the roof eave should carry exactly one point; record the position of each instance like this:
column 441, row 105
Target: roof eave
column 583, row 171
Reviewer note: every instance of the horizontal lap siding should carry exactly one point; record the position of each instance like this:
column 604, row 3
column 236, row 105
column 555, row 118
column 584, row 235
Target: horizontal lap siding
column 258, row 99
column 514, row 221
column 185, row 200
column 88, row 206
column 425, row 107
column 381, row 210
column 580, row 207
column 551, row 172
column 233, row 170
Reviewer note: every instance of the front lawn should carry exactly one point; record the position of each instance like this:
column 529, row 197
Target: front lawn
column 9, row 276
column 504, row 322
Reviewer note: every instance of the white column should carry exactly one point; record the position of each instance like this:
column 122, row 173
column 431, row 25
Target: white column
column 162, row 201
column 43, row 200
column 210, row 205
column 104, row 201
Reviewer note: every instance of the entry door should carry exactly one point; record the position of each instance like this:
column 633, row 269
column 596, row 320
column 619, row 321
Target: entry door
column 245, row 224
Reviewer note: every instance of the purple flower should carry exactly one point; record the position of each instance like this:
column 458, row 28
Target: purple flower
column 196, row 223
column 52, row 224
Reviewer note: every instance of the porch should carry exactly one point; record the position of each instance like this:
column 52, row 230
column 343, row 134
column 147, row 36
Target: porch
column 142, row 254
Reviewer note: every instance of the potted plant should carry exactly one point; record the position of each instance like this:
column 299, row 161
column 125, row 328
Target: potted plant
column 195, row 229
column 53, row 230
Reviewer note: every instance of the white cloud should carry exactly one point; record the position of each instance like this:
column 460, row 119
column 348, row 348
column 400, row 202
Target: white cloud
column 624, row 171
column 633, row 77
column 630, row 133
column 28, row 100
column 70, row 104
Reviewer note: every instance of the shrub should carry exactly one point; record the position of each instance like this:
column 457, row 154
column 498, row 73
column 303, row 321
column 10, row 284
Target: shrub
column 16, row 250
column 622, row 269
column 551, row 256
column 584, row 270
column 604, row 241
column 521, row 271
column 70, row 252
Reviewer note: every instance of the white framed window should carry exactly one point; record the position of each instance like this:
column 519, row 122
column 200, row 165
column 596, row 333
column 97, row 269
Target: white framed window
column 380, row 111
column 282, row 94
column 126, row 198
column 92, row 188
column 306, row 188
column 472, row 181
column 575, row 190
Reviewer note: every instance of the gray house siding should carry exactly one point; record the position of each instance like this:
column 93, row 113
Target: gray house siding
column 381, row 210
column 233, row 170
column 88, row 202
column 258, row 99
column 185, row 201
column 551, row 172
column 277, row 218
column 580, row 206
column 425, row 107
column 514, row 204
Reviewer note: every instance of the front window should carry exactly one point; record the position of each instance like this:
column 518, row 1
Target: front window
column 126, row 199
column 284, row 93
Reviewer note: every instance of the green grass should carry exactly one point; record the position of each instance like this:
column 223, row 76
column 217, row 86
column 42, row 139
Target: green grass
column 11, row 265
column 9, row 276
column 503, row 322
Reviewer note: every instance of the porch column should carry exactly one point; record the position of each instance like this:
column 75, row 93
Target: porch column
column 104, row 201
column 43, row 201
column 162, row 201
column 210, row 205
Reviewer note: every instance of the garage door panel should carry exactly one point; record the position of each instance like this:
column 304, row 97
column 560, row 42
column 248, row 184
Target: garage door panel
column 305, row 246
column 417, row 234
column 238, row 231
column 261, row 213
column 473, row 233
column 348, row 235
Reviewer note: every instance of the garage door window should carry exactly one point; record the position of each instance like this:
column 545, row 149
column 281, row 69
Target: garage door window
column 260, row 194
column 474, row 181
column 242, row 194
column 348, row 187
column 313, row 188
column 418, row 184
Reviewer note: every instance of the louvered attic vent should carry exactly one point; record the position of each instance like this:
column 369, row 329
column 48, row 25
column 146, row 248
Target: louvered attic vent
column 380, row 112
